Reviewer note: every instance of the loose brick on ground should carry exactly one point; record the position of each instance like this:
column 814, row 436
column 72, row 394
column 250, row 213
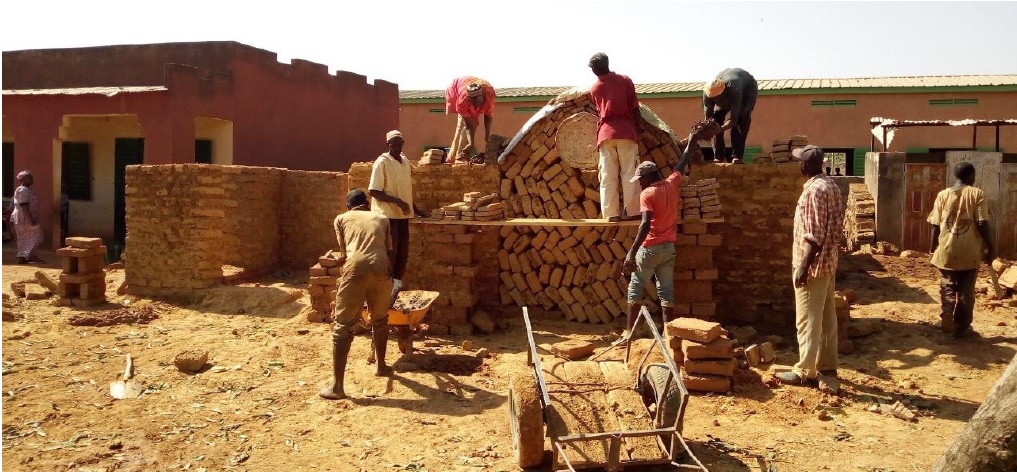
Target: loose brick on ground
column 694, row 329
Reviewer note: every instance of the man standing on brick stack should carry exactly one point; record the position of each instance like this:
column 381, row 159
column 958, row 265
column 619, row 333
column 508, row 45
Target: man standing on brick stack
column 818, row 227
column 391, row 191
column 364, row 241
column 960, row 242
column 470, row 97
column 733, row 91
column 652, row 253
column 617, row 138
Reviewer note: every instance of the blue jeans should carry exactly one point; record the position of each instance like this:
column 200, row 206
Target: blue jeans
column 657, row 260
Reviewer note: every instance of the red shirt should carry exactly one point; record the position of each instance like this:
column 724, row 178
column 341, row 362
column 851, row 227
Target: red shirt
column 615, row 97
column 662, row 199
column 456, row 99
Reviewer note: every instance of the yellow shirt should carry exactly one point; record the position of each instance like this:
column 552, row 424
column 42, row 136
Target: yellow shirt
column 394, row 178
column 364, row 240
column 957, row 212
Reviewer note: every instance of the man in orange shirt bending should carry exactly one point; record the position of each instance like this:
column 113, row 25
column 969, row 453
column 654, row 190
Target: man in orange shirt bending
column 470, row 98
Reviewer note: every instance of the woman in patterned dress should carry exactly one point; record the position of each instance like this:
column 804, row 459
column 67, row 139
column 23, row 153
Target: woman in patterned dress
column 25, row 219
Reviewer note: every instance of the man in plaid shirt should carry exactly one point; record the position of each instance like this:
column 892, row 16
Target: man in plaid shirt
column 819, row 222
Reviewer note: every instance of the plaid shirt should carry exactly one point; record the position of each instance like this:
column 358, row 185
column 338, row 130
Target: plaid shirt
column 819, row 219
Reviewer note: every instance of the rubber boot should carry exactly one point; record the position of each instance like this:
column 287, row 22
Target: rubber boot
column 340, row 353
column 379, row 335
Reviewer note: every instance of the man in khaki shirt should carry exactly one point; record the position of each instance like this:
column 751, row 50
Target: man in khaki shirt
column 364, row 243
column 960, row 242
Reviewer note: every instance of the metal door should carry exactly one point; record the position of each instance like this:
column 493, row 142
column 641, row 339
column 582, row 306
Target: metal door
column 126, row 152
column 921, row 184
column 1006, row 241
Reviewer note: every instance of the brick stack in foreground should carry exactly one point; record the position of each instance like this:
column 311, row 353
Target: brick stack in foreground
column 323, row 281
column 82, row 278
column 705, row 353
column 859, row 217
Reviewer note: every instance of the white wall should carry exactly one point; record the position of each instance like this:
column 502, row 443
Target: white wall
column 221, row 134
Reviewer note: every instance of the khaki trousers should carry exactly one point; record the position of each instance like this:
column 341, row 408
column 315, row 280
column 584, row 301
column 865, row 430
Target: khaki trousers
column 618, row 161
column 816, row 320
column 374, row 288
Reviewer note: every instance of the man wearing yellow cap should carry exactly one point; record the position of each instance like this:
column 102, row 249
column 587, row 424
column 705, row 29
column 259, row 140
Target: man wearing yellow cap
column 470, row 98
column 734, row 91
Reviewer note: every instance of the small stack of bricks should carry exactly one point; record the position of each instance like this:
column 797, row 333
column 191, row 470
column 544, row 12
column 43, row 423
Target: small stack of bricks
column 700, row 201
column 432, row 157
column 705, row 353
column 843, row 307
column 444, row 258
column 474, row 207
column 859, row 217
column 780, row 150
column 323, row 282
column 82, row 278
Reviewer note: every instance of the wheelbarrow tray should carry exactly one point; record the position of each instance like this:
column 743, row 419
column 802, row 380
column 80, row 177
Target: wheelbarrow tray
column 407, row 317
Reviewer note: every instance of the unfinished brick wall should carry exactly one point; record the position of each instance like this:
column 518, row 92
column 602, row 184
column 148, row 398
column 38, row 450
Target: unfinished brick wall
column 754, row 263
column 175, row 216
column 310, row 203
column 251, row 202
column 437, row 185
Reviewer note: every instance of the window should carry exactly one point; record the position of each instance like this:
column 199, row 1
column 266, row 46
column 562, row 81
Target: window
column 834, row 103
column 526, row 109
column 76, row 171
column 953, row 102
column 436, row 110
column 203, row 151
column 8, row 170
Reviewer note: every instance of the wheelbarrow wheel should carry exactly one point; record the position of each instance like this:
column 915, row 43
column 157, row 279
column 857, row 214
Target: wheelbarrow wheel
column 405, row 339
column 667, row 397
column 526, row 419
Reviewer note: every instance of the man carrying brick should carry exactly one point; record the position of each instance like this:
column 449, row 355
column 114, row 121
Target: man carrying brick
column 960, row 241
column 617, row 138
column 470, row 98
column 364, row 241
column 652, row 253
column 733, row 91
column 391, row 190
column 818, row 226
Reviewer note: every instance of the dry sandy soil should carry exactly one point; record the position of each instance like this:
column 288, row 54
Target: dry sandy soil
column 255, row 406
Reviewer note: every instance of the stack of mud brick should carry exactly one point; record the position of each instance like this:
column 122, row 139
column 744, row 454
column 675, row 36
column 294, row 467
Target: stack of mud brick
column 780, row 150
column 445, row 258
column 175, row 232
column 700, row 200
column 859, row 217
column 435, row 186
column 322, row 285
column 432, row 157
column 474, row 207
column 695, row 271
column 82, row 277
column 704, row 352
column 574, row 269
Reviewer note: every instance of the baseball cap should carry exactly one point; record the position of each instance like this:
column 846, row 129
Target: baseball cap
column 808, row 152
column 644, row 169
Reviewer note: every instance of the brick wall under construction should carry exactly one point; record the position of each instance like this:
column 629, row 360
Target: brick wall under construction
column 310, row 203
column 251, row 202
column 437, row 185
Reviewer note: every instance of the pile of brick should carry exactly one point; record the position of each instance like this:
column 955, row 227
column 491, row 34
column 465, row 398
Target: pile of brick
column 700, row 200
column 445, row 259
column 538, row 183
column 704, row 352
column 323, row 282
column 82, row 276
column 780, row 149
column 474, row 207
column 859, row 217
column 432, row 157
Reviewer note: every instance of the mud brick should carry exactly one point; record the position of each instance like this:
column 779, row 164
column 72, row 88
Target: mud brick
column 710, row 240
column 685, row 240
column 315, row 290
column 82, row 242
column 442, row 238
column 701, row 258
column 569, row 277
column 617, row 292
column 720, row 348
column 694, row 291
column 533, row 282
column 684, row 275
column 682, row 309
column 69, row 265
column 68, row 290
column 694, row 329
column 464, row 299
column 704, row 310
column 572, row 349
column 450, row 315
column 544, row 274
column 725, row 367
column 82, row 278
column 453, row 255
column 81, row 252
column 93, row 290
column 706, row 383
column 753, row 354
column 694, row 228
column 317, row 271
column 453, row 229
column 327, row 262
column 337, row 271
column 600, row 290
column 325, row 280
column 707, row 274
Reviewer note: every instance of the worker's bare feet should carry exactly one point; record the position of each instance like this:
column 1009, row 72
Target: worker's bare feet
column 384, row 370
column 330, row 393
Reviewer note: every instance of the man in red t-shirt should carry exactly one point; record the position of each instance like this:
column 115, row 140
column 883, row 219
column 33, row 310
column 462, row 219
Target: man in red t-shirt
column 652, row 253
column 470, row 98
column 617, row 138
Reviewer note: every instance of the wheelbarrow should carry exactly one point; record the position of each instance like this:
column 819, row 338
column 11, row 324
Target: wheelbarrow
column 546, row 400
column 406, row 315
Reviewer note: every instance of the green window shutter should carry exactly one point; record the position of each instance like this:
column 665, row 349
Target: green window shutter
column 989, row 149
column 526, row 109
column 76, row 171
column 751, row 152
column 859, row 161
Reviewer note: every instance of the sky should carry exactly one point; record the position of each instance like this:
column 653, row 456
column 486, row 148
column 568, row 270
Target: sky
column 424, row 44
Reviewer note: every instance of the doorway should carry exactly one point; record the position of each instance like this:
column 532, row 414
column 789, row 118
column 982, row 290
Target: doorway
column 126, row 152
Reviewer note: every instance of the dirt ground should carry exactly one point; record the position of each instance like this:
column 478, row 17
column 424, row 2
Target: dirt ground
column 255, row 405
